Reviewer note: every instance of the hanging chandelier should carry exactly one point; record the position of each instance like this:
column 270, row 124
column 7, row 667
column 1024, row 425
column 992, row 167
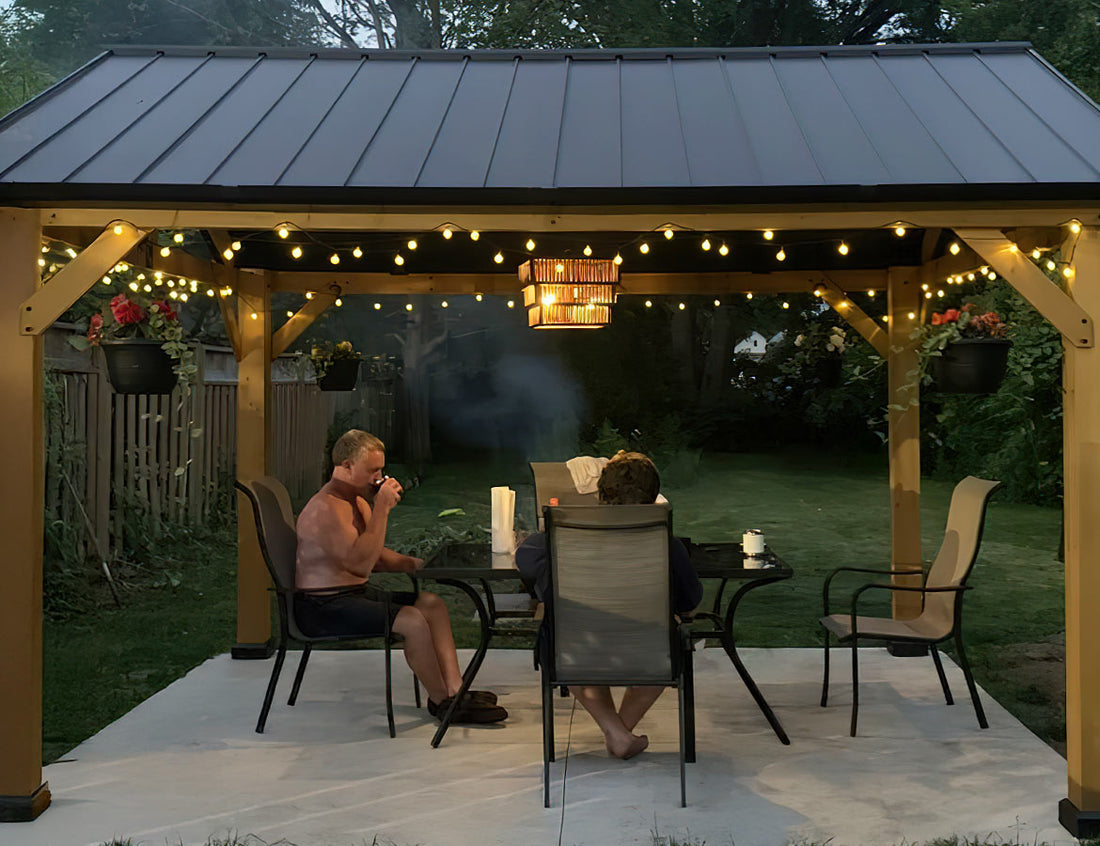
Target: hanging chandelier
column 568, row 293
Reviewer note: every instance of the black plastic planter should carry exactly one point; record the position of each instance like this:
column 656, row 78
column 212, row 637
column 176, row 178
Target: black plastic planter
column 971, row 366
column 139, row 366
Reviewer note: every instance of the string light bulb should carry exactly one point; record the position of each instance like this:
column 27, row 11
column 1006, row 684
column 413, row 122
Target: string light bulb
column 530, row 245
column 445, row 304
column 842, row 248
column 209, row 291
column 511, row 303
column 289, row 313
column 474, row 234
column 296, row 252
column 649, row 303
column 1012, row 248
column 1075, row 227
column 228, row 254
column 723, row 250
column 165, row 251
column 408, row 306
column 781, row 255
column 618, row 259
column 282, row 232
column 357, row 252
column 334, row 258
column 309, row 295
column 117, row 229
column 786, row 304
column 587, row 250
column 871, row 293
column 912, row 315
column 499, row 257
column 1050, row 264
column 235, row 246
column 148, row 288
column 448, row 233
column 377, row 306
column 643, row 248
column 399, row 259
column 478, row 297
column 717, row 303
column 748, row 295
column 339, row 301
column 899, row 231
column 954, row 249
column 1068, row 272
column 178, row 237
column 412, row 244
column 682, row 306
column 668, row 234
column 1035, row 253
column 768, row 234
column 705, row 244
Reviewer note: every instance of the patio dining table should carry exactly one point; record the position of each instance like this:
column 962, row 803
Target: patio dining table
column 477, row 571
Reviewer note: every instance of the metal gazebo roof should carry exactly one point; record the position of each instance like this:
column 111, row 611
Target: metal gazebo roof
column 939, row 122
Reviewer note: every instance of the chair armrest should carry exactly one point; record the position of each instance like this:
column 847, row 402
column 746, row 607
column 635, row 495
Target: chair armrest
column 904, row 588
column 829, row 578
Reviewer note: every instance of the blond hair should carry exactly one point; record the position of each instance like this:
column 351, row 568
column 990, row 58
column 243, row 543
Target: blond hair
column 353, row 443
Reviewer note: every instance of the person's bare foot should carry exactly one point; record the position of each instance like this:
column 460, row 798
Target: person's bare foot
column 627, row 747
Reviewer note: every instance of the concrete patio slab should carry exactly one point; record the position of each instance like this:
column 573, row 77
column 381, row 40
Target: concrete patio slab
column 186, row 764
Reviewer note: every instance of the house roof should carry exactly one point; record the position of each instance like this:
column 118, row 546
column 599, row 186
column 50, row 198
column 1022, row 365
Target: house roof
column 328, row 127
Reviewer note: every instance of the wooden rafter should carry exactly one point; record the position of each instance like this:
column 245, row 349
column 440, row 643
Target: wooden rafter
column 290, row 331
column 856, row 317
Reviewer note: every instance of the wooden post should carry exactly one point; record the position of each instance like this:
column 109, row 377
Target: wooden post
column 253, row 450
column 23, row 794
column 1080, row 811
column 903, row 307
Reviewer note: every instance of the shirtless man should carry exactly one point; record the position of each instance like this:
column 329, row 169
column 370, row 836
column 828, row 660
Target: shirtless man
column 341, row 541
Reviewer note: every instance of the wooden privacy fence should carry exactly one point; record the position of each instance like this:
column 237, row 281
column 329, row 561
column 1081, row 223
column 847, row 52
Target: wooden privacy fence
column 133, row 463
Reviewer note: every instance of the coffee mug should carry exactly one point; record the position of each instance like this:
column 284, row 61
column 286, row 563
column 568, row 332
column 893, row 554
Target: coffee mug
column 752, row 542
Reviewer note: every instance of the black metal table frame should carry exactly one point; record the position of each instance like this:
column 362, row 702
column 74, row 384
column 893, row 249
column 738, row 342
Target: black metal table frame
column 464, row 578
column 722, row 628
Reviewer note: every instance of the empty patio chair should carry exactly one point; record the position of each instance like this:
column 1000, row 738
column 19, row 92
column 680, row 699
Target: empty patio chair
column 941, row 593
column 278, row 540
column 611, row 619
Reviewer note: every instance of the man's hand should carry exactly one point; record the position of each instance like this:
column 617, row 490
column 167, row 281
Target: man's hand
column 389, row 494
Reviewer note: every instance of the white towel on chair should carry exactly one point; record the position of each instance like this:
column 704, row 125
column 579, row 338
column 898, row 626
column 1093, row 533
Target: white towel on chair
column 586, row 471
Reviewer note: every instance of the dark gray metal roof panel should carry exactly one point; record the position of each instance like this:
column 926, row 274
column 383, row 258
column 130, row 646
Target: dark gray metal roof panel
column 526, row 151
column 242, row 124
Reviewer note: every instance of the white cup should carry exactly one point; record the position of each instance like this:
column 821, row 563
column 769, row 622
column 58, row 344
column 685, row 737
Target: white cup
column 752, row 542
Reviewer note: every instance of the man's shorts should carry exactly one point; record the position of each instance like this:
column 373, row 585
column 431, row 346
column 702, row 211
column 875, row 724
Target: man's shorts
column 347, row 614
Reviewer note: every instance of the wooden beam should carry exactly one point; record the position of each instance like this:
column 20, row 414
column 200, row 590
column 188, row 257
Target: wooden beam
column 223, row 243
column 507, row 284
column 290, row 331
column 856, row 317
column 1081, row 433
column 1067, row 315
column 72, row 281
column 253, row 460
column 903, row 424
column 229, row 277
column 23, row 794
column 547, row 218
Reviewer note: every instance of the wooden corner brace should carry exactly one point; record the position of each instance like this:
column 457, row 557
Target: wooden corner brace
column 1033, row 285
column 55, row 297
column 856, row 317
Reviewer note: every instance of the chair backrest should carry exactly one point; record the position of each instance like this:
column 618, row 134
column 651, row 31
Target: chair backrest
column 611, row 613
column 274, row 527
column 553, row 479
column 958, row 552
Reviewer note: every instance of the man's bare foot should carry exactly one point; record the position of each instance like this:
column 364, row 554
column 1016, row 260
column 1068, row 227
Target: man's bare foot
column 627, row 747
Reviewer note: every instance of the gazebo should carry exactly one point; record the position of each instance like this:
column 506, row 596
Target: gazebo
column 924, row 161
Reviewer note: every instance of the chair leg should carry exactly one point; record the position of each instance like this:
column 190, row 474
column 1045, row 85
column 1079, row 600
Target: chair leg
column 688, row 702
column 973, row 688
column 683, row 748
column 389, row 692
column 280, row 656
column 547, row 739
column 825, row 679
column 416, row 690
column 298, row 675
column 855, row 685
column 943, row 678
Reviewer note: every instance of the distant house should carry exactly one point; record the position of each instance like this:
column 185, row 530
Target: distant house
column 755, row 345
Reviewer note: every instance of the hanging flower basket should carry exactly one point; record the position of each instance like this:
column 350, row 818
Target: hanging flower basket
column 341, row 375
column 971, row 366
column 139, row 366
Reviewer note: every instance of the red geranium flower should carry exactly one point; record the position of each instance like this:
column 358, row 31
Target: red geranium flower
column 125, row 312
column 164, row 308
column 95, row 327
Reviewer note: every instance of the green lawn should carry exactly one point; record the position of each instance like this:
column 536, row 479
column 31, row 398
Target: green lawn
column 817, row 511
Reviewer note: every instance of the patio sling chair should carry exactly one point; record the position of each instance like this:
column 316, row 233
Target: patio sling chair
column 611, row 620
column 553, row 480
column 279, row 545
column 941, row 598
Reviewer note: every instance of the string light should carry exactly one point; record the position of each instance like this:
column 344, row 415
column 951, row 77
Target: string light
column 106, row 280
column 282, row 232
column 474, row 234
column 643, row 248
column 1068, row 272
column 786, row 304
column 587, row 250
column 682, row 306
column 871, row 294
column 668, row 234
column 178, row 237
column 649, row 304
column 334, row 258
column 296, row 252
column 236, row 246
column 499, row 257
column 412, row 244
column 477, row 297
column 339, row 301
column 1012, row 248
column 717, row 303
column 781, row 255
column 899, row 231
column 1075, row 227
column 705, row 244
column 1051, row 265
column 71, row 252
column 954, row 249
column 254, row 316
column 445, row 304
column 559, row 268
column 134, row 286
column 618, row 259
column 399, row 259
column 530, row 245
column 939, row 293
column 408, row 306
column 1035, row 253
column 148, row 288
column 289, row 313
column 357, row 252
column 377, row 306
column 511, row 303
column 447, row 233
column 309, row 295
column 209, row 291
column 842, row 249
column 748, row 295
column 724, row 250
column 228, row 254
column 165, row 251
column 912, row 315
column 768, row 234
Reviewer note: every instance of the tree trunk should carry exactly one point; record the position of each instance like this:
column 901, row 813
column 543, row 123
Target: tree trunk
column 716, row 367
column 683, row 348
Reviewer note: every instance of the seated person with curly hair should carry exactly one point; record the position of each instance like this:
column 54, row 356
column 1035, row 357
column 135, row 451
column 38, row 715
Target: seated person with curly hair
column 630, row 478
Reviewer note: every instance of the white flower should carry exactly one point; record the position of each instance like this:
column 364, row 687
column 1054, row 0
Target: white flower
column 798, row 340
